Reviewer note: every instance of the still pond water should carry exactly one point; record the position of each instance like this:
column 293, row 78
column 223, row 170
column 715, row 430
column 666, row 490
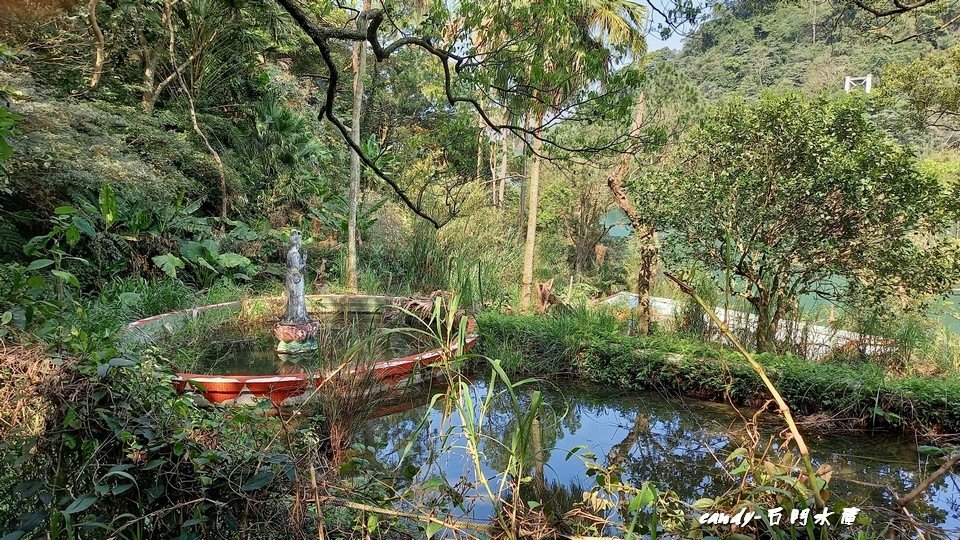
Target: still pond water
column 678, row 444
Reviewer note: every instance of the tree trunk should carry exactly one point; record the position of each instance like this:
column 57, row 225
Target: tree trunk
column 504, row 168
column 619, row 452
column 479, row 172
column 767, row 322
column 150, row 92
column 646, row 277
column 644, row 231
column 168, row 16
column 529, row 246
column 98, row 44
column 149, row 96
column 539, row 456
column 353, row 197
column 521, row 206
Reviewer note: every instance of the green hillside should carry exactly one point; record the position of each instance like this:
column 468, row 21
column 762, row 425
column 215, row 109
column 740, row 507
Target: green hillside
column 749, row 47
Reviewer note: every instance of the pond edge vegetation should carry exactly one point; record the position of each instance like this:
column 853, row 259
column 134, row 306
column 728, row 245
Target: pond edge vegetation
column 589, row 344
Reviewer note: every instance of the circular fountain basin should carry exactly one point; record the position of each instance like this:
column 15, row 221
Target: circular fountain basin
column 286, row 387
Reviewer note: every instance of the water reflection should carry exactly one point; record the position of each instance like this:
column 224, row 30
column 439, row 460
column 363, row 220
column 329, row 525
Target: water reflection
column 678, row 444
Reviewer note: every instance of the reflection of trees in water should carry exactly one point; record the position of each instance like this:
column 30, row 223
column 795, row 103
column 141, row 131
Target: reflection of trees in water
column 864, row 482
column 666, row 445
column 501, row 423
column 673, row 443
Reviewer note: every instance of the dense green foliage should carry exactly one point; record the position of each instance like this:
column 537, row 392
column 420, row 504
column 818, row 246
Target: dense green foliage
column 155, row 155
column 930, row 88
column 792, row 196
column 748, row 47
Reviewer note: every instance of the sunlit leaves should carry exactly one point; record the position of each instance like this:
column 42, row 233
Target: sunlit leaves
column 930, row 86
column 790, row 193
column 169, row 264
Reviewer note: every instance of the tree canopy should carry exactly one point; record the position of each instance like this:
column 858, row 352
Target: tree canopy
column 798, row 195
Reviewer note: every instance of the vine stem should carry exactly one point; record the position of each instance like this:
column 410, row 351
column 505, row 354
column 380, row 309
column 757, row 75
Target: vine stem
column 782, row 405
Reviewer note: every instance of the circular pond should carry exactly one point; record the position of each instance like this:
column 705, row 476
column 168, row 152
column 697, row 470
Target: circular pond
column 226, row 352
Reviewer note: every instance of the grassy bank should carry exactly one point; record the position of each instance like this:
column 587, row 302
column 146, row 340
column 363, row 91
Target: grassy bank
column 591, row 345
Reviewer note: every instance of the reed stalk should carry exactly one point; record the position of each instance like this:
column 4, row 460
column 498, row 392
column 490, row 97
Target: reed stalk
column 782, row 405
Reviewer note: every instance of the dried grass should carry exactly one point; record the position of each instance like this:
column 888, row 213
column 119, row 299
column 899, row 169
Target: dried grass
column 28, row 380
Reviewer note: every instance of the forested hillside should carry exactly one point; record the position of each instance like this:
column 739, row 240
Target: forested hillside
column 809, row 45
column 749, row 47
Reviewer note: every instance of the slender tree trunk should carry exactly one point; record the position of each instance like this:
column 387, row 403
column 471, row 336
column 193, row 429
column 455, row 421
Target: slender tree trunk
column 149, row 96
column 644, row 231
column 521, row 207
column 478, row 175
column 645, row 277
column 99, row 49
column 582, row 247
column 529, row 247
column 539, row 457
column 504, row 168
column 619, row 452
column 494, row 172
column 353, row 197
column 767, row 322
column 168, row 15
column 150, row 92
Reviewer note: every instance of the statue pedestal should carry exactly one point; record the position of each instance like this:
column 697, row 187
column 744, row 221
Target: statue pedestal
column 296, row 337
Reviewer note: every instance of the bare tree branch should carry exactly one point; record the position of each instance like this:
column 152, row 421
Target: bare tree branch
column 899, row 7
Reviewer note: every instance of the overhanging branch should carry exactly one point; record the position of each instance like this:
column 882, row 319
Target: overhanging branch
column 321, row 35
column 898, row 7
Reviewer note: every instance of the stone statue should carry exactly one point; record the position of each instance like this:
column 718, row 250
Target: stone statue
column 296, row 332
column 296, row 312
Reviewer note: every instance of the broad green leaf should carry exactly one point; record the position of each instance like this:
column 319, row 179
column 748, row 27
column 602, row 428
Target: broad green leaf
column 80, row 504
column 735, row 454
column 5, row 152
column 233, row 260
column 573, row 451
column 64, row 210
column 434, row 482
column 37, row 264
column 258, row 481
column 108, row 204
column 84, row 226
column 72, row 234
column 122, row 362
column 66, row 277
column 646, row 496
column 926, row 450
column 169, row 263
column 192, row 251
column 211, row 247
column 203, row 262
column 432, row 528
column 703, row 504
